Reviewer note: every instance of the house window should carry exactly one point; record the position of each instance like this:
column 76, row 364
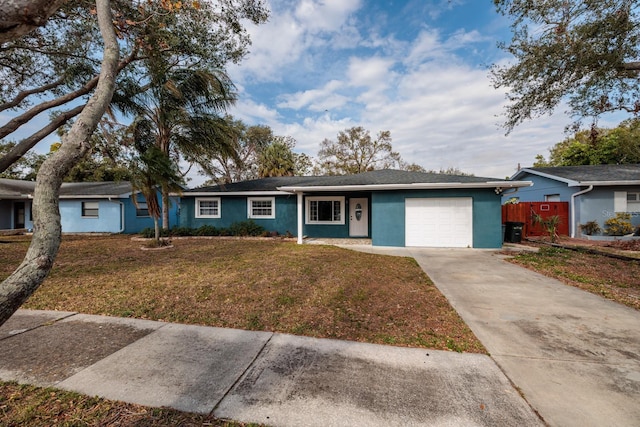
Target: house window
column 90, row 209
column 325, row 210
column 208, row 208
column 633, row 202
column 261, row 207
column 142, row 210
column 551, row 197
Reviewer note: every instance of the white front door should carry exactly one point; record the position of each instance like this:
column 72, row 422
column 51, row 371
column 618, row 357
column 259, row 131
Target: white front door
column 358, row 217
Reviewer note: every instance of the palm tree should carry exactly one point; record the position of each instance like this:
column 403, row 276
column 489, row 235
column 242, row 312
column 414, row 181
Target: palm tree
column 182, row 109
column 276, row 159
column 150, row 169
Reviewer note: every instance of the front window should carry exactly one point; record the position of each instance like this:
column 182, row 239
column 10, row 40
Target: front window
column 142, row 210
column 633, row 202
column 208, row 208
column 261, row 207
column 90, row 209
column 325, row 210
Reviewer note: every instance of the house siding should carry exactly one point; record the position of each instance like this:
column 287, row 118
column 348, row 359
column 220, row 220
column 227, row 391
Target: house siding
column 109, row 218
column 598, row 205
column 388, row 216
column 541, row 187
column 234, row 209
column 134, row 224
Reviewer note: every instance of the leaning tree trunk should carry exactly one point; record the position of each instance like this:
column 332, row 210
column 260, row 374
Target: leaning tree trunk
column 16, row 288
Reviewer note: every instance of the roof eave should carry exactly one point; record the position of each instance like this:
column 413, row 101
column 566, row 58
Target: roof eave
column 235, row 193
column 413, row 186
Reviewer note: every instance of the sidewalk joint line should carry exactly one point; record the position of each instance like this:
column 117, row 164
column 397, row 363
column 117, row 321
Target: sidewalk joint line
column 242, row 375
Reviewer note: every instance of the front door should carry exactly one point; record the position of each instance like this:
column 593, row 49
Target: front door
column 18, row 215
column 358, row 217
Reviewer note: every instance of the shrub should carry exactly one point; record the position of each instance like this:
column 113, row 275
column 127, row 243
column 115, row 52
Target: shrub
column 207, row 230
column 149, row 233
column 590, row 228
column 620, row 225
column 550, row 224
column 246, row 228
column 182, row 231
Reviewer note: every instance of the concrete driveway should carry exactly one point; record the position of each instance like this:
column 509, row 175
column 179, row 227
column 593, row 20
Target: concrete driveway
column 574, row 356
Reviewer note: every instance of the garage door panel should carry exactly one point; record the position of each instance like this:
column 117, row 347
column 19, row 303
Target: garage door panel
column 439, row 222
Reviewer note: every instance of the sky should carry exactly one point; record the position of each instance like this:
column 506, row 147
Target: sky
column 417, row 68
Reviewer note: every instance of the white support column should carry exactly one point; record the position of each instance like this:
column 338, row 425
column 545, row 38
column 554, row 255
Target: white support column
column 300, row 217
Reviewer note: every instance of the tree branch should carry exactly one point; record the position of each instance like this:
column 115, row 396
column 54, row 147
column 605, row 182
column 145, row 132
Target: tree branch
column 25, row 93
column 18, row 121
column 27, row 144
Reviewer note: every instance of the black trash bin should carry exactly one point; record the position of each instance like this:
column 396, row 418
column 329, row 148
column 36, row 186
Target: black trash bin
column 513, row 232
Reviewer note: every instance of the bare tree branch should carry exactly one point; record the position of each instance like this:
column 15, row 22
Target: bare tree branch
column 26, row 93
column 27, row 144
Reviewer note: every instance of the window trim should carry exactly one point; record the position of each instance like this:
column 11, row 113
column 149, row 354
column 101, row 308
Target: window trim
column 207, row 199
column 84, row 209
column 634, row 203
column 250, row 213
column 310, row 199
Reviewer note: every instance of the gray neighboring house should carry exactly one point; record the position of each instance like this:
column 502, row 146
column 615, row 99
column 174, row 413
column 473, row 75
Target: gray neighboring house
column 594, row 192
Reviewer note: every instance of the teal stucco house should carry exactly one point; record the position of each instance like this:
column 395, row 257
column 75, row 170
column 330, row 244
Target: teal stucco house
column 390, row 207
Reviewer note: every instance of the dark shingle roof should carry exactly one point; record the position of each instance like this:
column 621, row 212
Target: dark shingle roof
column 591, row 173
column 377, row 177
column 13, row 188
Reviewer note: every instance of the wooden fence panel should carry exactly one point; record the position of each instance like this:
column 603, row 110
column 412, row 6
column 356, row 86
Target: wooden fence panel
column 524, row 212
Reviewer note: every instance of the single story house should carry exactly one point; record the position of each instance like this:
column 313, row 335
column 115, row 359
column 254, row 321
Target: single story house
column 390, row 207
column 85, row 207
column 594, row 192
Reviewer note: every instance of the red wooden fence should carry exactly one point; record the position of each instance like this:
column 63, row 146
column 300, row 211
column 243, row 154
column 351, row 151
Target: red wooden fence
column 525, row 211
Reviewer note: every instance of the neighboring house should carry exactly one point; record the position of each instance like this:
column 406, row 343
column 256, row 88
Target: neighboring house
column 85, row 207
column 391, row 207
column 594, row 192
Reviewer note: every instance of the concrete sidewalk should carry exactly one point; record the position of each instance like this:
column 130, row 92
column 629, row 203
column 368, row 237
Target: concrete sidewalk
column 275, row 379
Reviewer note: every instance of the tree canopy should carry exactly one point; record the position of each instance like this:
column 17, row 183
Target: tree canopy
column 56, row 66
column 597, row 146
column 584, row 52
column 354, row 151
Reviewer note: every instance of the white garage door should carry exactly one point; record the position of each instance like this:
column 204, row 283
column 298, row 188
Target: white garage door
column 442, row 222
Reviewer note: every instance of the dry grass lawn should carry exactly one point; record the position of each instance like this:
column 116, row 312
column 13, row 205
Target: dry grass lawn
column 611, row 278
column 269, row 285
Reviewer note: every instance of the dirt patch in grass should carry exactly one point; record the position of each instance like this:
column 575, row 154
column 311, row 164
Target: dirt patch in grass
column 28, row 406
column 614, row 279
column 312, row 290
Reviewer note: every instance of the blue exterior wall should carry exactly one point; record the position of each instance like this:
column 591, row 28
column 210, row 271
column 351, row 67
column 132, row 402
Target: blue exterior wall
column 109, row 218
column 598, row 205
column 234, row 209
column 388, row 215
column 541, row 187
column 134, row 224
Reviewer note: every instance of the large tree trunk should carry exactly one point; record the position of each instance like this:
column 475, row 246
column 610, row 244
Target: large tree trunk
column 18, row 17
column 165, row 208
column 46, row 215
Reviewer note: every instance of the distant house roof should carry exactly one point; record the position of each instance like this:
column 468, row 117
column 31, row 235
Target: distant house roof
column 17, row 189
column 386, row 179
column 597, row 175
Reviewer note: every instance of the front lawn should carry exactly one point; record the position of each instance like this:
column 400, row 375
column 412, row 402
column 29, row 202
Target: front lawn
column 268, row 285
column 611, row 278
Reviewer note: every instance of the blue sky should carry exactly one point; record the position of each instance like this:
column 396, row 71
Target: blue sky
column 416, row 68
